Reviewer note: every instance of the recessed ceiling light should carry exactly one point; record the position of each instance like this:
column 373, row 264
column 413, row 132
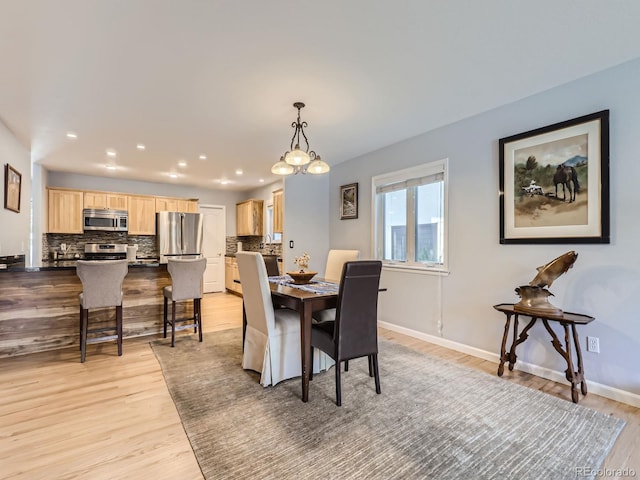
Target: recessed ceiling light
column 173, row 175
column 261, row 180
column 141, row 146
column 202, row 157
column 224, row 181
column 72, row 135
column 111, row 167
column 182, row 163
column 239, row 172
column 111, row 153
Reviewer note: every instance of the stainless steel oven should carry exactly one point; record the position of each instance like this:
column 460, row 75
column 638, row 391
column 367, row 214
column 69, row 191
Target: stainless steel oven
column 107, row 220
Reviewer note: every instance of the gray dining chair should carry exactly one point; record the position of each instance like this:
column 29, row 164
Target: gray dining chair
column 101, row 288
column 186, row 284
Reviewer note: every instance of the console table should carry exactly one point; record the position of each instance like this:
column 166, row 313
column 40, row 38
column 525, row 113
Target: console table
column 568, row 321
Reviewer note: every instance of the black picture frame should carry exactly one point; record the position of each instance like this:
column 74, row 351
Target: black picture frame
column 12, row 188
column 534, row 209
column 349, row 201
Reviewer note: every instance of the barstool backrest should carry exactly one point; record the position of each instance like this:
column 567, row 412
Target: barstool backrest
column 101, row 282
column 186, row 277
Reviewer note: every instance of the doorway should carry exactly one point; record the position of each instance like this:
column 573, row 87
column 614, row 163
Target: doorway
column 214, row 245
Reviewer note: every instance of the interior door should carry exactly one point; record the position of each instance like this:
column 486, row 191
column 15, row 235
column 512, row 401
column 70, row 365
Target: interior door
column 213, row 246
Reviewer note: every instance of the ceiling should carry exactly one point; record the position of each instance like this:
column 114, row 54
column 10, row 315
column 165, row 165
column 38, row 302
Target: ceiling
column 213, row 77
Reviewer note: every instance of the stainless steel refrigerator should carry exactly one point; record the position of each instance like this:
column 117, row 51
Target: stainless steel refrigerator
column 179, row 235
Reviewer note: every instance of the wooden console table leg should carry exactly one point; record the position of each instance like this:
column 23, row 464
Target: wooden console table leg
column 566, row 354
column 503, row 351
column 576, row 342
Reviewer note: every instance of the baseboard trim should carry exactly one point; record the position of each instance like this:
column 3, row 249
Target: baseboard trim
column 596, row 388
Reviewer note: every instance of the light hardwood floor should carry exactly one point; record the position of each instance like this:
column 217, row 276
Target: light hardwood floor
column 113, row 418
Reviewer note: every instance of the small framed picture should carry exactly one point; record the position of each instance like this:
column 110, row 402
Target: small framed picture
column 349, row 201
column 554, row 183
column 12, row 188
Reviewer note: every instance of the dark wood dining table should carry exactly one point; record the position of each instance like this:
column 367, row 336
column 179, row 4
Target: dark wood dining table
column 305, row 303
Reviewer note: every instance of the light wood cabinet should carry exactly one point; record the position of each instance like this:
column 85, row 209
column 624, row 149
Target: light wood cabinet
column 166, row 204
column 231, row 273
column 278, row 218
column 249, row 217
column 111, row 201
column 65, row 211
column 142, row 215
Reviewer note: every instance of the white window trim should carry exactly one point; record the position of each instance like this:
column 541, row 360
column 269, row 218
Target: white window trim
column 399, row 176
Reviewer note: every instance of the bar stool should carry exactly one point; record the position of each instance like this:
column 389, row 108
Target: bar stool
column 101, row 288
column 186, row 284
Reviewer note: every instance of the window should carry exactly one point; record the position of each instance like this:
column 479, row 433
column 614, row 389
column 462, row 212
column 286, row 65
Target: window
column 275, row 237
column 410, row 213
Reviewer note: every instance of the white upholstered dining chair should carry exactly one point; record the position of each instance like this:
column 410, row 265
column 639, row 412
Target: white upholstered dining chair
column 333, row 272
column 272, row 340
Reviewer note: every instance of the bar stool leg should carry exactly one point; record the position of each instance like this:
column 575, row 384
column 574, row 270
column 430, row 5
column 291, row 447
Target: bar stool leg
column 119, row 328
column 164, row 323
column 83, row 334
column 198, row 304
column 173, row 323
column 80, row 330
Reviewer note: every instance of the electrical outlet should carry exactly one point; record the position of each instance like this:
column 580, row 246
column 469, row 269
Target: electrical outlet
column 593, row 344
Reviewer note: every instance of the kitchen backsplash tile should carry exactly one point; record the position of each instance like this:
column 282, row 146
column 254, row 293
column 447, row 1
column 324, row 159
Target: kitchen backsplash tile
column 252, row 244
column 147, row 247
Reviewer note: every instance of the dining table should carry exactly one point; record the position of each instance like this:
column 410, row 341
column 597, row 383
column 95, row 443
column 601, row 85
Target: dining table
column 305, row 302
column 318, row 294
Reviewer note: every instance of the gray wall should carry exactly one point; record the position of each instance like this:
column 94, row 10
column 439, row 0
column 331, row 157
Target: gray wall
column 604, row 282
column 14, row 234
column 205, row 196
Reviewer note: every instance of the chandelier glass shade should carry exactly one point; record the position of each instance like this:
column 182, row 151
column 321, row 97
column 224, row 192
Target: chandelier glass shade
column 297, row 159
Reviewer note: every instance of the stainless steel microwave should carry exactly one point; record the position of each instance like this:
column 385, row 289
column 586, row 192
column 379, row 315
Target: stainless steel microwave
column 107, row 220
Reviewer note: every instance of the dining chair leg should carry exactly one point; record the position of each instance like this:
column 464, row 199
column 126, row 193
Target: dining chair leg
column 83, row 334
column 370, row 358
column 311, row 357
column 164, row 324
column 173, row 323
column 119, row 328
column 338, row 386
column 199, row 321
column 195, row 317
column 375, row 371
column 346, row 365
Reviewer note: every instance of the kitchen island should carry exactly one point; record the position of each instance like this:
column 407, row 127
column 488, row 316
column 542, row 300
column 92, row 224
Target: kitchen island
column 39, row 307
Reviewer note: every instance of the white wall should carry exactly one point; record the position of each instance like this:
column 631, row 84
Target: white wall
column 604, row 282
column 306, row 220
column 108, row 184
column 14, row 234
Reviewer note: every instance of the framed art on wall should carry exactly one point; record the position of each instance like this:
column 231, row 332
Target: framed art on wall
column 12, row 188
column 554, row 183
column 349, row 201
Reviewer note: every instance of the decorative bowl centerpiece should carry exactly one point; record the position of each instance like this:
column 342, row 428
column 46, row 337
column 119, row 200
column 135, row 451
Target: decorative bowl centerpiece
column 303, row 275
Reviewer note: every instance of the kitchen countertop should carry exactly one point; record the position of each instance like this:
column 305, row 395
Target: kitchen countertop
column 71, row 265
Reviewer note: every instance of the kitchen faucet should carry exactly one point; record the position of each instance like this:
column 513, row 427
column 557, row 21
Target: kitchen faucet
column 268, row 237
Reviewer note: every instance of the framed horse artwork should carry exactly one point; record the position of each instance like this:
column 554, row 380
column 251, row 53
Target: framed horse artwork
column 554, row 183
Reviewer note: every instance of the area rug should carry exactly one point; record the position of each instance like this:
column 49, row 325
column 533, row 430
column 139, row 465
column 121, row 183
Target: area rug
column 434, row 420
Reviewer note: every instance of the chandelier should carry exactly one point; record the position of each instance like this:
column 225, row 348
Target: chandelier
column 297, row 160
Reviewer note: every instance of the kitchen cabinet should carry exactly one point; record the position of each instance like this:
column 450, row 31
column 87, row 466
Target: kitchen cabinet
column 166, row 204
column 249, row 216
column 111, row 201
column 231, row 273
column 142, row 215
column 64, row 211
column 278, row 213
